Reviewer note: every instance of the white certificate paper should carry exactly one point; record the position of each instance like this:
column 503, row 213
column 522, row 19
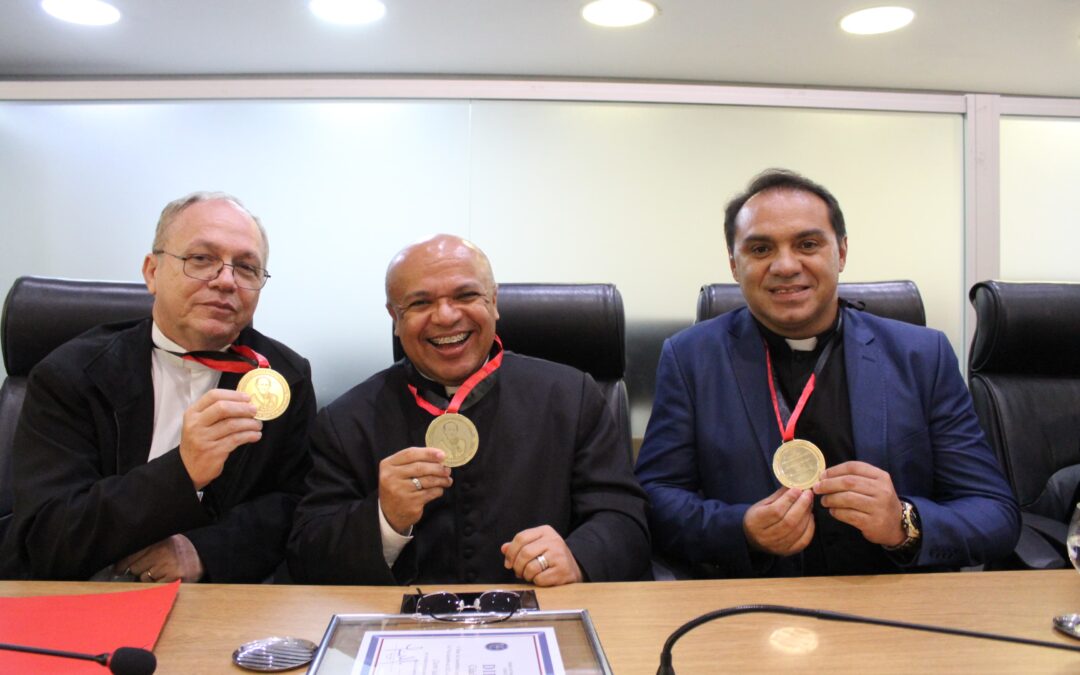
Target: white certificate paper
column 483, row 651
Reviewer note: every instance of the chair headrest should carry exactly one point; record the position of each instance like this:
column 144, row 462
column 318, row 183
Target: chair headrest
column 42, row 313
column 581, row 325
column 1026, row 328
column 891, row 299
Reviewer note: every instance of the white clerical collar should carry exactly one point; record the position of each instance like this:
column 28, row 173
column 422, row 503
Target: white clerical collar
column 804, row 345
column 450, row 391
column 166, row 348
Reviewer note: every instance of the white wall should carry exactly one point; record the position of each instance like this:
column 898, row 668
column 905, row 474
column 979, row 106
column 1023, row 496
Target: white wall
column 554, row 191
column 1040, row 199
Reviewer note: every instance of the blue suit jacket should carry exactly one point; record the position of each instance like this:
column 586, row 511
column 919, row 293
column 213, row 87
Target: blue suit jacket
column 707, row 454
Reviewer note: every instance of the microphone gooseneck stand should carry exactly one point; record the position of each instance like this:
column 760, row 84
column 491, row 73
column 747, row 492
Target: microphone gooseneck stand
column 665, row 655
column 123, row 661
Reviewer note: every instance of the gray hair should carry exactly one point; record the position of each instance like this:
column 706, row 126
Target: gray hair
column 174, row 208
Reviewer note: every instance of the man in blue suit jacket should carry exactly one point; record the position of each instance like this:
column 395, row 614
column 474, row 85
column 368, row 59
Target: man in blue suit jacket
column 910, row 481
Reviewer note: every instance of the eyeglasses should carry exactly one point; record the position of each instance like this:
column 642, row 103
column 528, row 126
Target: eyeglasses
column 446, row 606
column 208, row 267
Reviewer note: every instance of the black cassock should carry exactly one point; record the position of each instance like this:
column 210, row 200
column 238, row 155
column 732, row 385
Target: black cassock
column 548, row 455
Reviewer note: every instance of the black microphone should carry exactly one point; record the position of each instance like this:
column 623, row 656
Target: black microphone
column 123, row 661
column 665, row 654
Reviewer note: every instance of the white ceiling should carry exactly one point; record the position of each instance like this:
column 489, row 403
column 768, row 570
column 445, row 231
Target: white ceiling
column 1024, row 47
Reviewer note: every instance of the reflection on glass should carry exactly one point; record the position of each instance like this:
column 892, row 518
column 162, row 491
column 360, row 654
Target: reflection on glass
column 1072, row 542
column 1069, row 624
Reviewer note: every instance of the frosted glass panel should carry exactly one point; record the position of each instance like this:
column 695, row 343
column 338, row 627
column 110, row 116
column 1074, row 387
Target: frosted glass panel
column 631, row 194
column 1040, row 199
column 340, row 186
column 634, row 194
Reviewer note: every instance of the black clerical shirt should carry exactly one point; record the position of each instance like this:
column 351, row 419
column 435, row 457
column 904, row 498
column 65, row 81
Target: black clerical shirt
column 837, row 548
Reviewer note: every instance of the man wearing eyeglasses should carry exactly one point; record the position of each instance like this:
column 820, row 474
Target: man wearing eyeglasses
column 136, row 458
column 528, row 480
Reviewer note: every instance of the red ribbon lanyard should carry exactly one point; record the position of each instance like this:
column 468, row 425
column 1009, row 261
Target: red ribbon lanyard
column 239, row 359
column 465, row 389
column 787, row 433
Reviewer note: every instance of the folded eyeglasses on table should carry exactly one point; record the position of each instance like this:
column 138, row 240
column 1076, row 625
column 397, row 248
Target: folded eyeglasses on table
column 486, row 607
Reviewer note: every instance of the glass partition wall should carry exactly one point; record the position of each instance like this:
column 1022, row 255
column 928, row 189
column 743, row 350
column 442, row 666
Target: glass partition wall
column 623, row 191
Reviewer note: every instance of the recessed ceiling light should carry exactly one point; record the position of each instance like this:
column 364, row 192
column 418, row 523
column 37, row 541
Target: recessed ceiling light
column 348, row 12
column 877, row 20
column 85, row 12
column 618, row 13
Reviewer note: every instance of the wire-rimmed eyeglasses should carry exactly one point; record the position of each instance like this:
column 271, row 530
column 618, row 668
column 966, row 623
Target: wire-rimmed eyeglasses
column 206, row 267
column 488, row 607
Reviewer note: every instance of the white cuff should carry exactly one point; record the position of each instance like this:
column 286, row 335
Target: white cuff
column 392, row 542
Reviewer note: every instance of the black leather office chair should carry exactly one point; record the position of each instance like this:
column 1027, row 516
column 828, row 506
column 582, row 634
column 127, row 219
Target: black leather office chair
column 892, row 299
column 1024, row 376
column 39, row 315
column 581, row 325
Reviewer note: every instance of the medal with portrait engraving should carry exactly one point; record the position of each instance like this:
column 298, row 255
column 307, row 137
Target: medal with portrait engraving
column 455, row 435
column 798, row 464
column 268, row 390
column 450, row 431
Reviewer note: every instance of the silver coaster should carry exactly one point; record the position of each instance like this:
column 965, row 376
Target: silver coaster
column 1068, row 624
column 274, row 653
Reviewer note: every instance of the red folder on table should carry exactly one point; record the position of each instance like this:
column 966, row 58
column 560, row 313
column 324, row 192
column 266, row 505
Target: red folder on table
column 92, row 623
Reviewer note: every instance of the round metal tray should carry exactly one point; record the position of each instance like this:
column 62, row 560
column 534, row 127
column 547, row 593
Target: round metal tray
column 274, row 654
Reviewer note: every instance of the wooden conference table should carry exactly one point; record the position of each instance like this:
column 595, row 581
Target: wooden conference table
column 633, row 619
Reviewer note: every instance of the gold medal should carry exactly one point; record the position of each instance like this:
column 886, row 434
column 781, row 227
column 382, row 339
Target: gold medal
column 455, row 435
column 798, row 464
column 268, row 391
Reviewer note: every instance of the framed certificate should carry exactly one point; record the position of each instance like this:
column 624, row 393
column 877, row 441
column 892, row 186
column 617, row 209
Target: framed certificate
column 541, row 642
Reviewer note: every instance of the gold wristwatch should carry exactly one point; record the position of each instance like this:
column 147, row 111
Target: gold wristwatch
column 909, row 521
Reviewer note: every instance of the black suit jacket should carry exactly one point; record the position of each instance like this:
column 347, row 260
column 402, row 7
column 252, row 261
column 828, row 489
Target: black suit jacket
column 708, row 450
column 85, row 496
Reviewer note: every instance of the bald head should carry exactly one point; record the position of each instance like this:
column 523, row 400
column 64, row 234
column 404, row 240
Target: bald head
column 441, row 295
column 441, row 248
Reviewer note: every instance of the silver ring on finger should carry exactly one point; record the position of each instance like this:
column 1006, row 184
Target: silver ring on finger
column 416, row 482
column 148, row 575
column 543, row 562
